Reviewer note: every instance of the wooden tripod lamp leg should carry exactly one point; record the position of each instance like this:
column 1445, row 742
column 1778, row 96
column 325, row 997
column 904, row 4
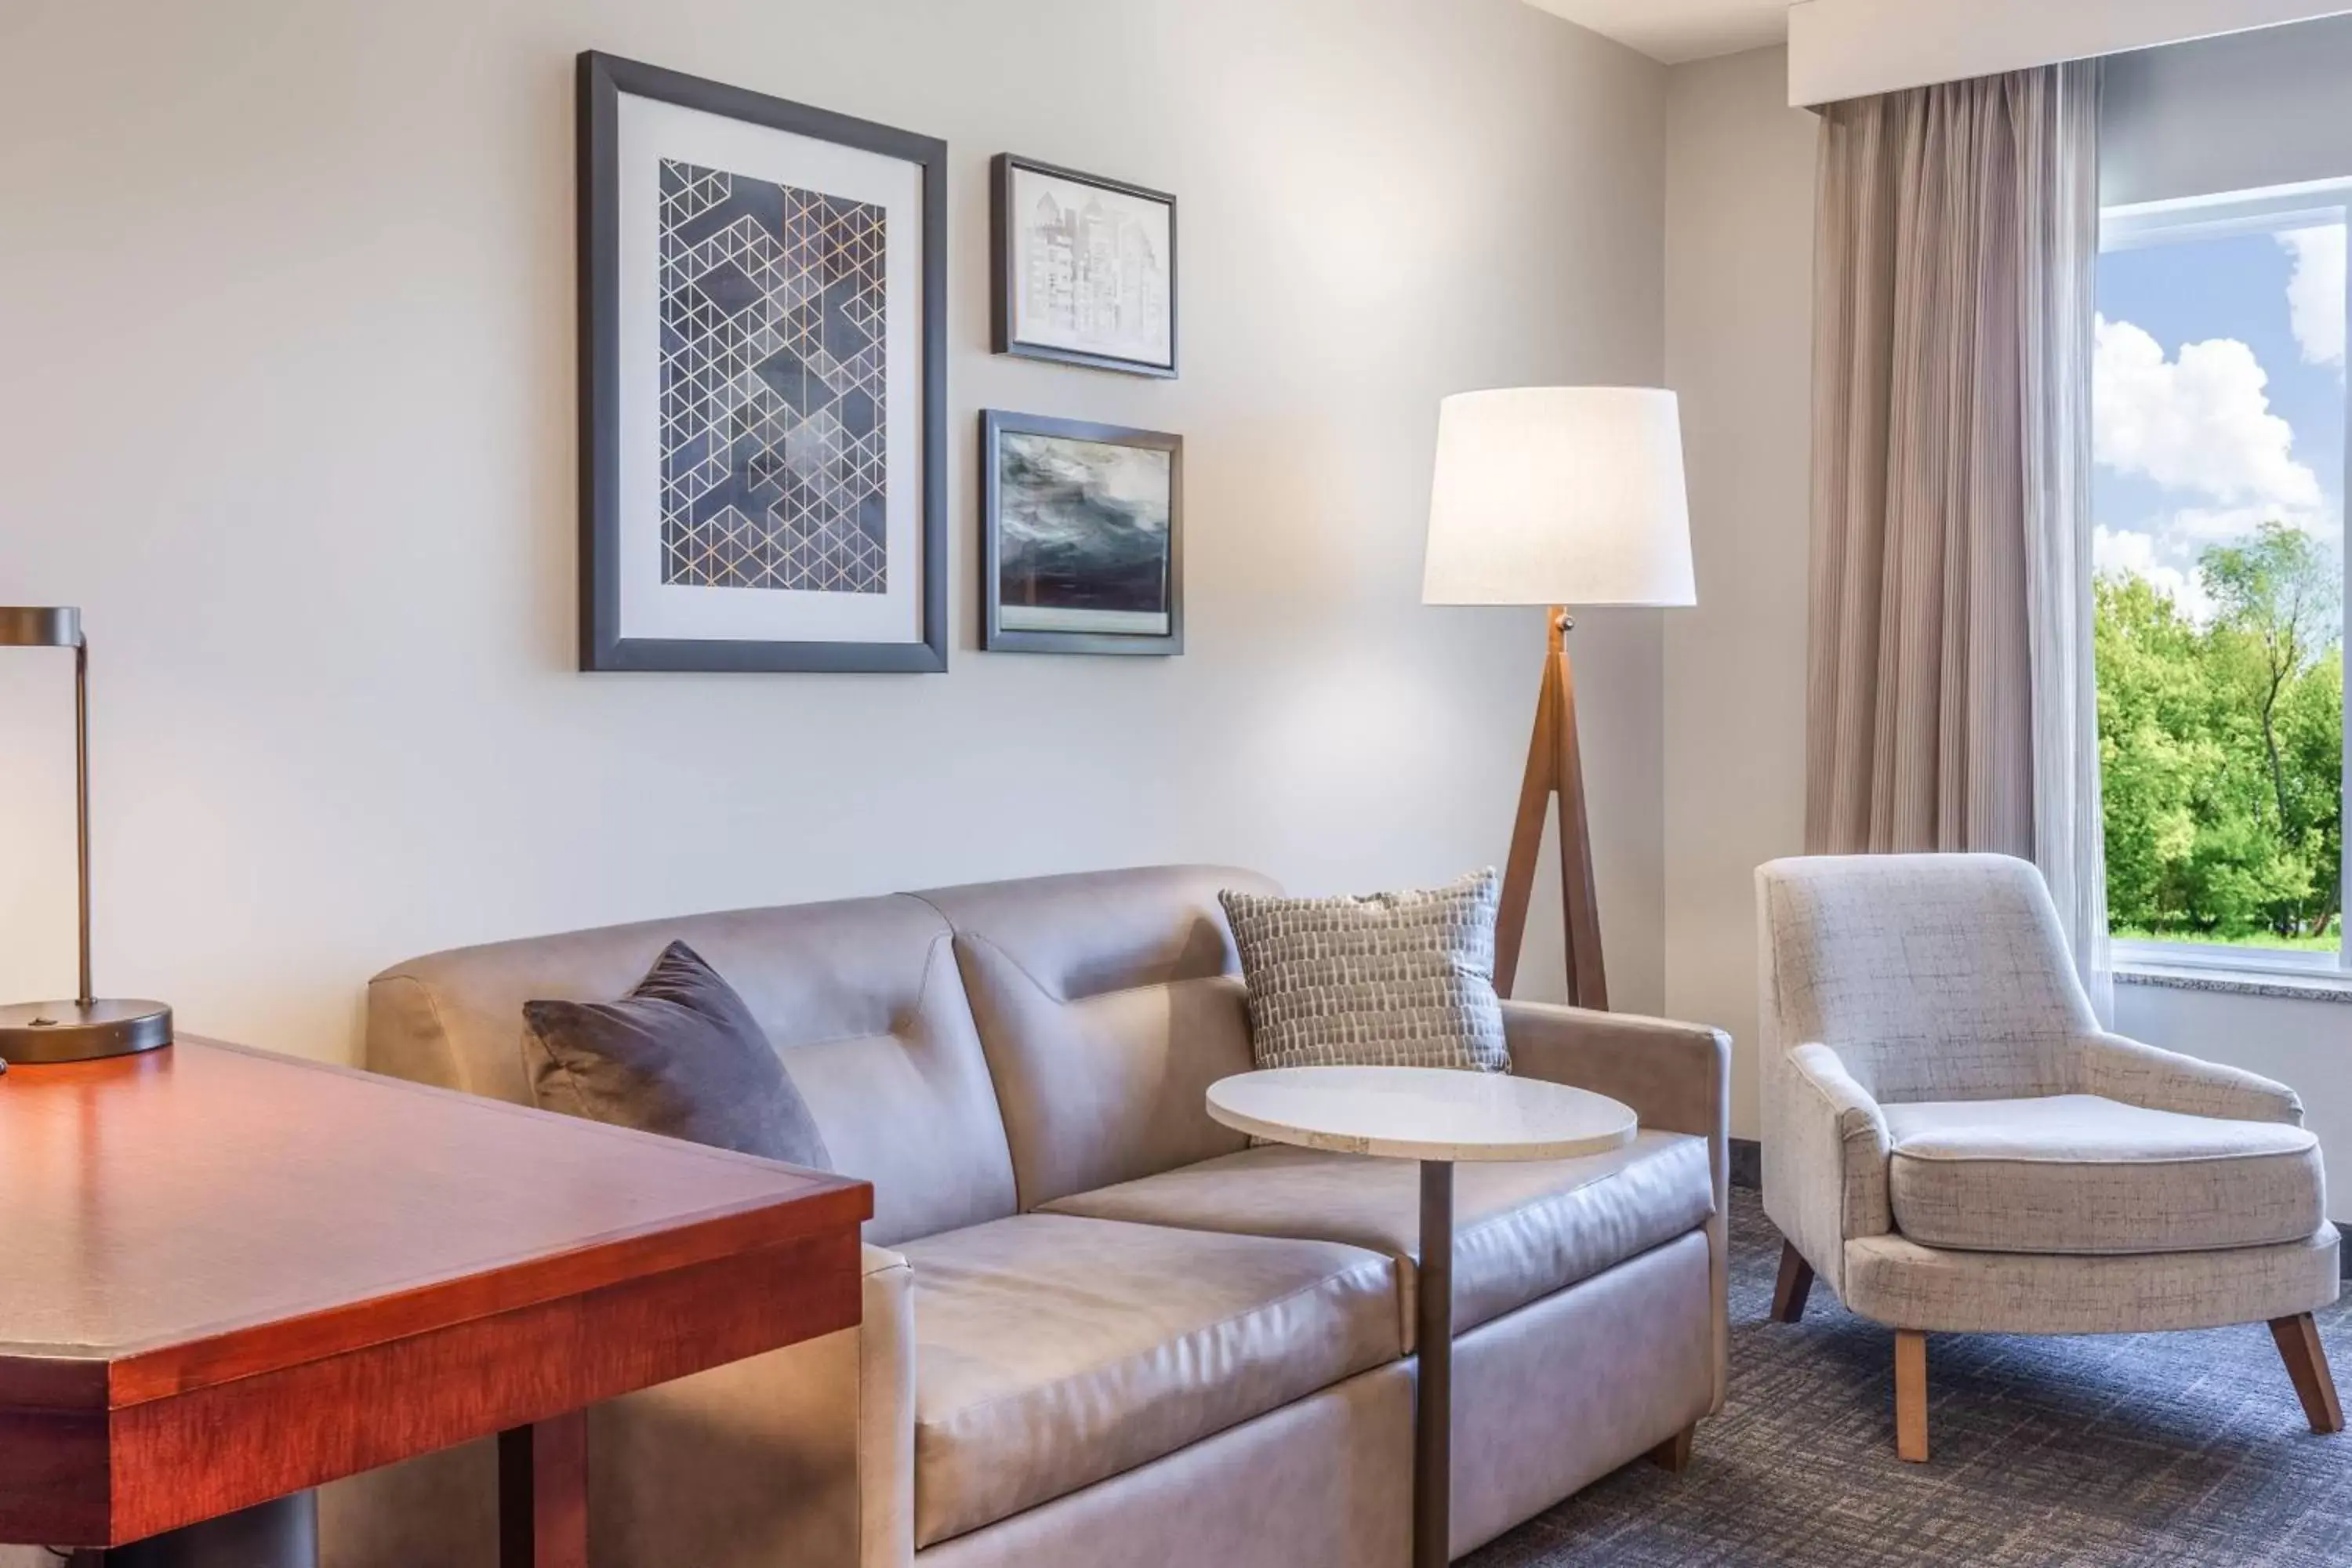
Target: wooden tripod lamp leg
column 1555, row 773
column 1527, row 840
column 1588, row 986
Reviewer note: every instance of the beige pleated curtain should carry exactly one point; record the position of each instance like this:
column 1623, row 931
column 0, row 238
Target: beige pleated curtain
column 1950, row 697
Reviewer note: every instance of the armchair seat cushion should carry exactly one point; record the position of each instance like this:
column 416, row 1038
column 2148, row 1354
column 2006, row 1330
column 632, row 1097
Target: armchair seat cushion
column 2079, row 1174
column 1053, row 1352
column 1522, row 1228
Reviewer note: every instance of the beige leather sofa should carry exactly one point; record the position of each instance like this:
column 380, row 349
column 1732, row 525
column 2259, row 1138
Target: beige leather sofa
column 1101, row 1331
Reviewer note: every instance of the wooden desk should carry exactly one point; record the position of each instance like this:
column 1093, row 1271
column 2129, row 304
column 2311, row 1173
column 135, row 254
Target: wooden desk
column 231, row 1276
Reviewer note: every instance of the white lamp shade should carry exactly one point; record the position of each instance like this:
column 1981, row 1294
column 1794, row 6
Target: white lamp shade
column 1559, row 495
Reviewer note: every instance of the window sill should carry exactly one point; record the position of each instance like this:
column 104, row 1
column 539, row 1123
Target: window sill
column 2317, row 987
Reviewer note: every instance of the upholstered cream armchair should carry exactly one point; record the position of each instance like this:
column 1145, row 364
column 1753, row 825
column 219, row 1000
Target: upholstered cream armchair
column 1955, row 1146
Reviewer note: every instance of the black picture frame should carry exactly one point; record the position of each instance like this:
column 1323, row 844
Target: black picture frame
column 1003, row 244
column 995, row 637
column 601, row 79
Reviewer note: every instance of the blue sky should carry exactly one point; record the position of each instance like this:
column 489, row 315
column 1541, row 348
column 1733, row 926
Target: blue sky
column 2219, row 397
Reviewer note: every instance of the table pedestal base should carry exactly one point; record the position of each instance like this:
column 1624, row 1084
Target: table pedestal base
column 1434, row 1116
column 1432, row 1422
column 281, row 1534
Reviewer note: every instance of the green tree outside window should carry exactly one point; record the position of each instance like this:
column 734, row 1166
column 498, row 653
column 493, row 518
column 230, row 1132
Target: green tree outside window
column 2222, row 746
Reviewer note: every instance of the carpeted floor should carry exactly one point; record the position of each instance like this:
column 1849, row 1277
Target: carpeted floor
column 2114, row 1451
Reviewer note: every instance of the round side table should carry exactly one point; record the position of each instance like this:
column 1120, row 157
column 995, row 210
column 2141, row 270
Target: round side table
column 1437, row 1116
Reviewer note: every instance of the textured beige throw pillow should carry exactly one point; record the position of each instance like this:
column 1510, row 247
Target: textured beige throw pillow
column 1402, row 979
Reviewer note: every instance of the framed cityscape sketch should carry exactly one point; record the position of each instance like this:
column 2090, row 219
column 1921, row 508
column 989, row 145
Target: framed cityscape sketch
column 1082, row 537
column 1086, row 269
column 763, row 382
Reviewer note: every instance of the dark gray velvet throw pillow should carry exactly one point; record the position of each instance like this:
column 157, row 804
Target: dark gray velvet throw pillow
column 681, row 1055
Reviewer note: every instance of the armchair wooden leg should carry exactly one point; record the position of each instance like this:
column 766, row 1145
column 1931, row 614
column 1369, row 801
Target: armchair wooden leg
column 2307, row 1363
column 1911, row 1395
column 1673, row 1455
column 1796, row 1283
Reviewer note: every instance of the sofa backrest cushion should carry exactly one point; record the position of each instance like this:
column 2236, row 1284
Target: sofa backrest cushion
column 1108, row 1003
column 861, row 999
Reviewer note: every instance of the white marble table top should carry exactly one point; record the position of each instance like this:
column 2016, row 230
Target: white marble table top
column 1420, row 1113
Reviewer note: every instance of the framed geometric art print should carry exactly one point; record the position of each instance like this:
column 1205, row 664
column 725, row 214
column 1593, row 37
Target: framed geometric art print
column 763, row 382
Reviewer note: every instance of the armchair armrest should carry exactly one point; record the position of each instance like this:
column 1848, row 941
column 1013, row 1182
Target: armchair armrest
column 1825, row 1158
column 2118, row 1068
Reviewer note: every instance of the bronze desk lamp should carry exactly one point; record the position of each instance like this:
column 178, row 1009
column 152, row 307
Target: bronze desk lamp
column 88, row 1026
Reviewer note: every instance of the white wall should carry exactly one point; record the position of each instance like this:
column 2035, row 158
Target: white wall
column 1739, row 206
column 287, row 402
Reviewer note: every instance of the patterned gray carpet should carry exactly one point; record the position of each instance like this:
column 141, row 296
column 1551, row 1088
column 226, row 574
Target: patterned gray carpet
column 2158, row 1448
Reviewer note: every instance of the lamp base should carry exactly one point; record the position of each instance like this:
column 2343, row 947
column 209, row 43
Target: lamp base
column 41, row 1032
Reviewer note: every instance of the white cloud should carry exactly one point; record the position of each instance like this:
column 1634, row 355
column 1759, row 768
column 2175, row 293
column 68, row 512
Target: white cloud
column 2199, row 422
column 2122, row 552
column 2197, row 526
column 2315, row 292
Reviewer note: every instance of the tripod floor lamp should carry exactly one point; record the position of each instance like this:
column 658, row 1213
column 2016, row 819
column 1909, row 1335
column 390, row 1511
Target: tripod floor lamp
column 1559, row 496
column 88, row 1026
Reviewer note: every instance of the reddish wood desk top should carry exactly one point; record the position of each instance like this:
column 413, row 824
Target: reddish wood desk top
column 226, row 1276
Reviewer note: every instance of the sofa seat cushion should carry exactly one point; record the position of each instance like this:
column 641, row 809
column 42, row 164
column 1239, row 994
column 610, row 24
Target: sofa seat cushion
column 2079, row 1174
column 1522, row 1229
column 1052, row 1351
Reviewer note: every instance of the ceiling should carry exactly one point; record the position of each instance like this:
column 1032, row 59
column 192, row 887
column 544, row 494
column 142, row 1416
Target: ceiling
column 1677, row 30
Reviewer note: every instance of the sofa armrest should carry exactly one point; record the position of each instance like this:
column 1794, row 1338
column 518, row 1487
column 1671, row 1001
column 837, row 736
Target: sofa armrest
column 1677, row 1079
column 1676, row 1076
column 1825, row 1158
column 885, row 1413
column 804, row 1455
column 2116, row 1068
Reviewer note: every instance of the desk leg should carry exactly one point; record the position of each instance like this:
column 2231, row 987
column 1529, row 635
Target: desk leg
column 543, row 1494
column 1433, row 1428
column 280, row 1534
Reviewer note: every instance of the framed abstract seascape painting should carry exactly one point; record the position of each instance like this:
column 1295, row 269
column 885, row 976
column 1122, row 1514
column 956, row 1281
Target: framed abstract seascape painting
column 1082, row 537
column 763, row 382
column 1084, row 268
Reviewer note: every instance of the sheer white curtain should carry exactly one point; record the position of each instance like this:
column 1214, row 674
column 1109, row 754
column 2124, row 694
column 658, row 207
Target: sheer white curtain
column 1950, row 703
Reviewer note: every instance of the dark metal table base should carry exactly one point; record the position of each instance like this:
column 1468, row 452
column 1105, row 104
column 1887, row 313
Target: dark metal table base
column 1432, row 1422
column 281, row 1534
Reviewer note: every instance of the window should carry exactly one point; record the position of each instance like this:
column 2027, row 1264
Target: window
column 2219, row 410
